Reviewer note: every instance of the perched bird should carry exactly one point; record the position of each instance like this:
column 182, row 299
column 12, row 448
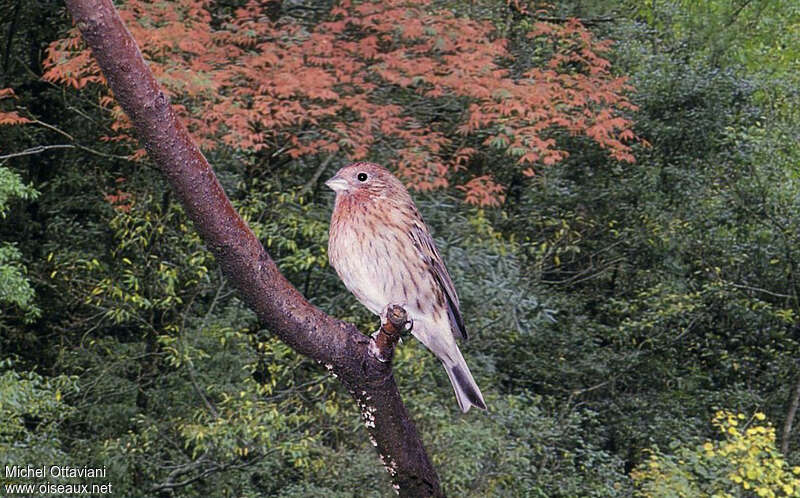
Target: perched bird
column 384, row 254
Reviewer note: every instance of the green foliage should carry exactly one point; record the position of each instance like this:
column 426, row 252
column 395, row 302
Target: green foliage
column 11, row 187
column 293, row 230
column 33, row 409
column 654, row 268
column 761, row 34
column 15, row 289
column 745, row 462
column 523, row 449
column 14, row 286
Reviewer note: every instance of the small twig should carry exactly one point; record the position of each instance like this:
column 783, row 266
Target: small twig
column 214, row 467
column 37, row 150
column 309, row 185
column 189, row 364
column 587, row 273
column 53, row 128
column 385, row 339
column 585, row 21
column 758, row 289
column 42, row 148
column 77, row 145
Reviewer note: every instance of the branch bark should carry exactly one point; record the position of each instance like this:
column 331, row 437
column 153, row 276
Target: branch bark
column 245, row 263
column 385, row 339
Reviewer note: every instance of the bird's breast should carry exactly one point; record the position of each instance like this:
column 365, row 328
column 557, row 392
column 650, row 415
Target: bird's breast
column 369, row 255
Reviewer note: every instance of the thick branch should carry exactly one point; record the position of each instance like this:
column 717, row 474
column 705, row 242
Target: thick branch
column 278, row 305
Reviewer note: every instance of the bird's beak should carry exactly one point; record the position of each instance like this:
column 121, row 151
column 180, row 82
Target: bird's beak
column 337, row 184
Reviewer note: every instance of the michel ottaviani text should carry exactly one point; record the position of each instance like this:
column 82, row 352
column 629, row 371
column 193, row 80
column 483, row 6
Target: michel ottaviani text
column 55, row 471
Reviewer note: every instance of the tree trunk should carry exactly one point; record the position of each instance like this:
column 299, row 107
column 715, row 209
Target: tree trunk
column 787, row 425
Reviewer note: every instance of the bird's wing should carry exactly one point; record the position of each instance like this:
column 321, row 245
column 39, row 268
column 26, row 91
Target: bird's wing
column 424, row 244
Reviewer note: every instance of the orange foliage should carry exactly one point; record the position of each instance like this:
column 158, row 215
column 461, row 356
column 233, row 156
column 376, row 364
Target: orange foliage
column 10, row 117
column 370, row 77
column 120, row 200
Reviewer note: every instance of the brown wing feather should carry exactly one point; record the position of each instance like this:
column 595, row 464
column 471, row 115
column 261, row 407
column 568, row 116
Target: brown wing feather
column 424, row 244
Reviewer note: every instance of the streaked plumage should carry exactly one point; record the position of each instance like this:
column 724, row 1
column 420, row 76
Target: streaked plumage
column 384, row 254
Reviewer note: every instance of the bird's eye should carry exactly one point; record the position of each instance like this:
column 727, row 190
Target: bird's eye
column 362, row 177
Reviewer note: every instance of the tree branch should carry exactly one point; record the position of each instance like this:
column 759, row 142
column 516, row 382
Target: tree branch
column 787, row 425
column 245, row 263
column 312, row 183
column 43, row 148
column 212, row 468
column 36, row 150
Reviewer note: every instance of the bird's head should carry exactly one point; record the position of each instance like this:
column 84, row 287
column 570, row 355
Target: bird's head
column 365, row 180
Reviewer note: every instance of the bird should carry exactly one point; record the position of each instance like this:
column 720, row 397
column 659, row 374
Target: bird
column 384, row 254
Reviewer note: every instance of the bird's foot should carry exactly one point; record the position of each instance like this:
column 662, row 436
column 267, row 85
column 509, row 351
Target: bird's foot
column 394, row 323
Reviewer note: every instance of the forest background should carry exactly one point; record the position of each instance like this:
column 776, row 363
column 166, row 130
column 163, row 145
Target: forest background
column 613, row 187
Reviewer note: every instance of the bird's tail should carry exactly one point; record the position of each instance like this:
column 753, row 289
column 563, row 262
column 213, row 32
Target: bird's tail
column 467, row 392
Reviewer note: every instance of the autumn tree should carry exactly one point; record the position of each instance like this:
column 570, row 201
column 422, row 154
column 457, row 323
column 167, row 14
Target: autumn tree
column 438, row 96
